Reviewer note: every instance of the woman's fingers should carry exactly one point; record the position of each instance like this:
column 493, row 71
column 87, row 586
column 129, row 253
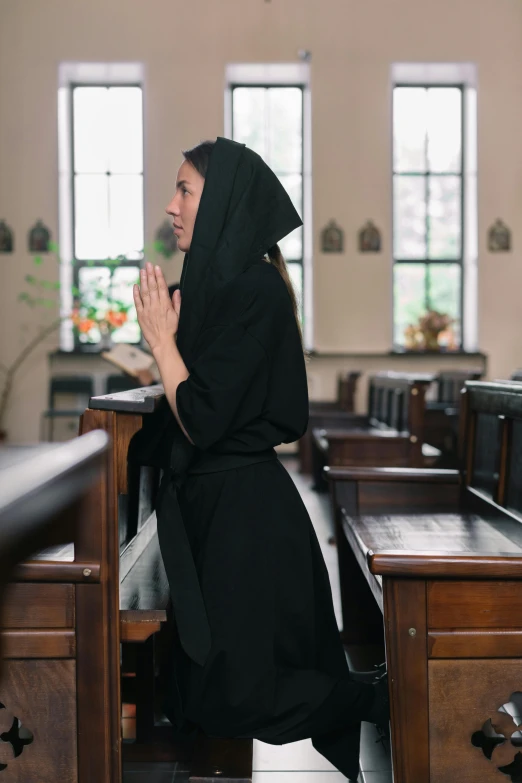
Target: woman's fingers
column 176, row 300
column 137, row 298
column 163, row 289
column 144, row 287
column 152, row 284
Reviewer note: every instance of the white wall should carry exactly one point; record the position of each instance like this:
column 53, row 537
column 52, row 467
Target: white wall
column 185, row 47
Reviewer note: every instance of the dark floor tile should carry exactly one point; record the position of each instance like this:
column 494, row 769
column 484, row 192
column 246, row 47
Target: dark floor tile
column 150, row 766
column 148, row 776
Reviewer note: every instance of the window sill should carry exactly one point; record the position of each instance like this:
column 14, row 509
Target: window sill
column 93, row 350
column 441, row 352
column 394, row 353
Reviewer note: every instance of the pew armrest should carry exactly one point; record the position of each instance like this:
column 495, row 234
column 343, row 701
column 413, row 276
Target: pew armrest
column 409, row 475
column 443, row 565
column 143, row 400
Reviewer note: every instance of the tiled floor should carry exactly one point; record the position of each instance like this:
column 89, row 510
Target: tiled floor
column 296, row 762
column 154, row 773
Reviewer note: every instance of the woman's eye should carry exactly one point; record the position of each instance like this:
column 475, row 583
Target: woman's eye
column 185, row 191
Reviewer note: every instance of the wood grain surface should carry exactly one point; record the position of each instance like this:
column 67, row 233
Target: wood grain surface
column 463, row 696
column 404, row 610
column 42, row 695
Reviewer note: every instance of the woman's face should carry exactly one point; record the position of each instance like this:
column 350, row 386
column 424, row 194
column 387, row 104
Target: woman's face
column 184, row 206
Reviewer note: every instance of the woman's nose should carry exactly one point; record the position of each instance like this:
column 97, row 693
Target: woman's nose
column 172, row 208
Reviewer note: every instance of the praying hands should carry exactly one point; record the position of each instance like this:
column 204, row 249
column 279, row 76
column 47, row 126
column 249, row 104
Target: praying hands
column 158, row 314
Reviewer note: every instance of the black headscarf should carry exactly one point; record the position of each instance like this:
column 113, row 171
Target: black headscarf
column 243, row 212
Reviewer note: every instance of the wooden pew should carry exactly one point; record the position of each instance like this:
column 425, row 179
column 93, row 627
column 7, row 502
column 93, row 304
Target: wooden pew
column 142, row 593
column 392, row 434
column 347, row 389
column 324, row 413
column 442, row 414
column 56, row 689
column 431, row 562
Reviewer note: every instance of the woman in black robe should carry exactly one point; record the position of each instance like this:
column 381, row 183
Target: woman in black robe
column 257, row 651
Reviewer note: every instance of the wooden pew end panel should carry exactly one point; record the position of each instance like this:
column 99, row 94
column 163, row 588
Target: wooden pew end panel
column 392, row 490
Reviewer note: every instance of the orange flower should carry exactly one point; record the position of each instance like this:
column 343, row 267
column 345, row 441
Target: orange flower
column 85, row 325
column 115, row 318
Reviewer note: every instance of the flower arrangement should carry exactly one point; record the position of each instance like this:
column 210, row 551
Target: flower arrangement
column 102, row 306
column 428, row 332
column 94, row 316
column 89, row 321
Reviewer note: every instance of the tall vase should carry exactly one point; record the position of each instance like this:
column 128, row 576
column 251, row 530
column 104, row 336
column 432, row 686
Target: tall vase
column 105, row 340
column 431, row 340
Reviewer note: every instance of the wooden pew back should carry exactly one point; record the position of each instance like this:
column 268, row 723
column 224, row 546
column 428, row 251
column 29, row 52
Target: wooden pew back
column 442, row 414
column 396, row 401
column 451, row 382
column 132, row 492
column 328, row 413
column 346, row 390
column 143, row 593
column 392, row 433
column 59, row 676
column 490, row 455
column 131, row 498
column 491, row 442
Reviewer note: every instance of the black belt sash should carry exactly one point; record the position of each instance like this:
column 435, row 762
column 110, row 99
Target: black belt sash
column 187, row 599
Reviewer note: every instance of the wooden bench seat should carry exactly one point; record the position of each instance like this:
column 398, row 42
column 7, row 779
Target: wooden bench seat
column 426, row 535
column 430, row 561
column 144, row 595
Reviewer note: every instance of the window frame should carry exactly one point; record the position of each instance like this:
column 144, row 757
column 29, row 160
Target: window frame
column 76, row 263
column 302, row 86
column 461, row 174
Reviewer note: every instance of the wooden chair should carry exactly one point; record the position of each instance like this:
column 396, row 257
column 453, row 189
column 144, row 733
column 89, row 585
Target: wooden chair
column 391, row 434
column 431, row 562
column 56, row 690
column 142, row 595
